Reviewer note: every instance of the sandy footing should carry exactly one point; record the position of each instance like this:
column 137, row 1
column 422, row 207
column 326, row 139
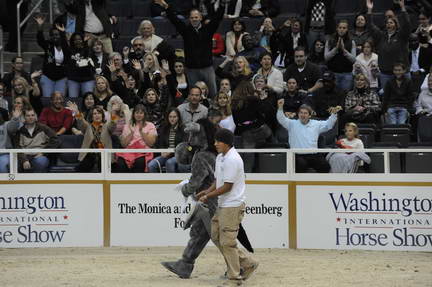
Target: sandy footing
column 122, row 267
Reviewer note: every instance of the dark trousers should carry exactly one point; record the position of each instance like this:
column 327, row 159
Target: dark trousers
column 88, row 163
column 138, row 166
column 315, row 161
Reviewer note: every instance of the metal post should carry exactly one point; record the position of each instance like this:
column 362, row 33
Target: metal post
column 51, row 11
column 386, row 162
column 1, row 52
column 19, row 26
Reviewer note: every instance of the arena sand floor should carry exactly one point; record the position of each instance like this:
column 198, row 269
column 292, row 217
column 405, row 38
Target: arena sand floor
column 120, row 267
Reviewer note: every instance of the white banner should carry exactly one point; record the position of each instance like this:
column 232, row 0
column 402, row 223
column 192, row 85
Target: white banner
column 150, row 215
column 364, row 217
column 51, row 215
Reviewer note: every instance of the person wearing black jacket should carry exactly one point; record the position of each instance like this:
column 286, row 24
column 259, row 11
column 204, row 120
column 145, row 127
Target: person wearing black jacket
column 249, row 121
column 320, row 19
column 56, row 52
column 94, row 20
column 420, row 59
column 262, row 8
column 329, row 96
column 127, row 90
column 80, row 69
column 170, row 134
column 399, row 96
column 306, row 73
column 198, row 43
column 284, row 40
column 392, row 43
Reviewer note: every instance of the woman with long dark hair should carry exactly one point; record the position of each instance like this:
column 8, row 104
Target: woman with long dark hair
column 170, row 134
column 178, row 83
column 360, row 33
column 233, row 38
column 249, row 120
column 139, row 134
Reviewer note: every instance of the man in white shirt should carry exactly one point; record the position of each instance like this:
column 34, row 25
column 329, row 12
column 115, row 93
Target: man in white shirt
column 230, row 188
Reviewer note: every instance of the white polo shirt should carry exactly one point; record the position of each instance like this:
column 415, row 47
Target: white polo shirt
column 229, row 168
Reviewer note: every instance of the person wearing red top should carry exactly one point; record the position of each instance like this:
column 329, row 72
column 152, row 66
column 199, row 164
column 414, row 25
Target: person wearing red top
column 218, row 45
column 56, row 116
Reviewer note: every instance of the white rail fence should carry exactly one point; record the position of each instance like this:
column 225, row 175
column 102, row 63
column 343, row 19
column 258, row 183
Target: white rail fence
column 107, row 174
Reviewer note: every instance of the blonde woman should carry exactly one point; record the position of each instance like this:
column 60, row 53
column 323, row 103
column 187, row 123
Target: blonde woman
column 347, row 162
column 240, row 71
column 120, row 113
column 222, row 103
column 102, row 92
column 20, row 87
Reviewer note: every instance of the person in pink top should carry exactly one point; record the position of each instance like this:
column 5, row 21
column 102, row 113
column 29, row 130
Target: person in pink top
column 56, row 116
column 138, row 134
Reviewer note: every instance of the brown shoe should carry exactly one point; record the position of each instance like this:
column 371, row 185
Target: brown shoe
column 249, row 270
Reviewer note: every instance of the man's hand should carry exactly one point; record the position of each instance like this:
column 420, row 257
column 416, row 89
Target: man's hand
column 40, row 20
column 26, row 165
column 161, row 3
column 16, row 113
column 201, row 194
column 61, row 28
column 111, row 66
column 36, row 74
column 334, row 110
column 369, row 5
column 126, row 52
column 280, row 103
column 136, row 65
column 73, row 107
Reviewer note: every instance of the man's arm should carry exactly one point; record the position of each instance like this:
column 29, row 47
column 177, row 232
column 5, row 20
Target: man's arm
column 215, row 21
column 329, row 123
column 179, row 24
column 226, row 187
column 53, row 141
column 280, row 116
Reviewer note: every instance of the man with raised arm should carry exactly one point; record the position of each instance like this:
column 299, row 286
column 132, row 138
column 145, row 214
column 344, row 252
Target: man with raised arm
column 198, row 43
column 304, row 132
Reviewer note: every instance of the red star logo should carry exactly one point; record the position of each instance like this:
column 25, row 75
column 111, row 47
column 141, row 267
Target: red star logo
column 338, row 219
column 65, row 217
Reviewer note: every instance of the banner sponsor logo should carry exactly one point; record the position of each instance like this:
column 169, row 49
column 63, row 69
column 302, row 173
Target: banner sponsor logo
column 383, row 218
column 49, row 215
column 151, row 215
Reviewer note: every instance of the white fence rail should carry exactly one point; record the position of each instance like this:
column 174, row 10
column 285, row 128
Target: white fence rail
column 290, row 174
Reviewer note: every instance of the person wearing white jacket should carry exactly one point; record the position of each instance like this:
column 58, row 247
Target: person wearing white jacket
column 367, row 64
column 274, row 77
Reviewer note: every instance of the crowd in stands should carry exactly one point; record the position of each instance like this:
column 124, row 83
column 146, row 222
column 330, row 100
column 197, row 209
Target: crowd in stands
column 280, row 86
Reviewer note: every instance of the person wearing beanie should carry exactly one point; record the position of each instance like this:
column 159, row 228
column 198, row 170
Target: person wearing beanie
column 229, row 187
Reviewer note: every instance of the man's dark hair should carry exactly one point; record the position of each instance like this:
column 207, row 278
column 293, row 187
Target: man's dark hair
column 196, row 87
column 398, row 64
column 214, row 113
column 15, row 58
column 266, row 53
column 300, row 48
